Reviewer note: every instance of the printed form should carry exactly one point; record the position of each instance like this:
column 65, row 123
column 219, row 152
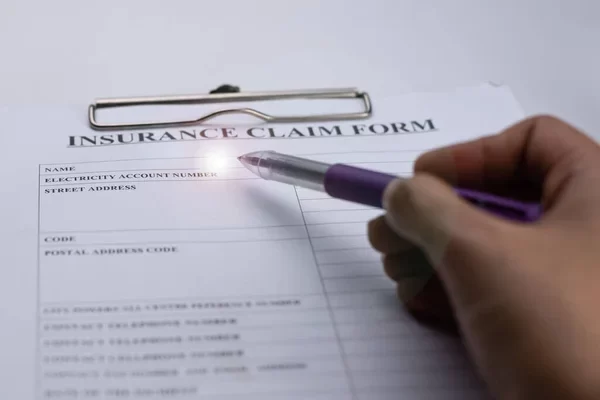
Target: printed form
column 166, row 270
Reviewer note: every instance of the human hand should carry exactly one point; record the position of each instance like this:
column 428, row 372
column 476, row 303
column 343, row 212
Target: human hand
column 525, row 297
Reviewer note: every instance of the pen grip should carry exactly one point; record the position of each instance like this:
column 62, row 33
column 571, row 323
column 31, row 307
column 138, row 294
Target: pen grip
column 366, row 187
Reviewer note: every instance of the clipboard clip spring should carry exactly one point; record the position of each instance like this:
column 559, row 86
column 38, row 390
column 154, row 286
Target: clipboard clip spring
column 344, row 93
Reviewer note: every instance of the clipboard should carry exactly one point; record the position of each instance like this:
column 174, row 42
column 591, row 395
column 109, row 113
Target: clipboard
column 309, row 94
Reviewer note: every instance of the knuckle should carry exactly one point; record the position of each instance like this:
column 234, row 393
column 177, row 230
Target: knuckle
column 546, row 119
column 575, row 142
column 536, row 125
column 542, row 124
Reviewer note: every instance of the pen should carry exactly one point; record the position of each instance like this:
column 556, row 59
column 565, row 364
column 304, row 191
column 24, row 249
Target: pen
column 364, row 186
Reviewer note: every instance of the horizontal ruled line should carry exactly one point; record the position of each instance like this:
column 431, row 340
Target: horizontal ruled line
column 166, row 242
column 188, row 299
column 211, row 313
column 181, row 314
column 135, row 170
column 338, row 210
column 199, row 170
column 316, row 198
column 336, row 236
column 337, row 223
column 343, row 249
column 347, row 263
column 175, row 229
column 149, row 181
column 339, row 278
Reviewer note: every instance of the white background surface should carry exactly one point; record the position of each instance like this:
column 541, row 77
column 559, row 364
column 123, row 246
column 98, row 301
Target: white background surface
column 547, row 51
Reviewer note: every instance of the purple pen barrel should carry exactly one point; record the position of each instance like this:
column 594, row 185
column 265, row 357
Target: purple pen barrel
column 356, row 184
column 367, row 187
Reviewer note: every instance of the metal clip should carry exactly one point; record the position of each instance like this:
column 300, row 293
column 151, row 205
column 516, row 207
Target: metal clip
column 346, row 93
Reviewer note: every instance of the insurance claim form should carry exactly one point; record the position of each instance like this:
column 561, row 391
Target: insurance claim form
column 151, row 265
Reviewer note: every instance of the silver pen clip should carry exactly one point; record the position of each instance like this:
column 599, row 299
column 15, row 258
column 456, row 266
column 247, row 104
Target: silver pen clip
column 345, row 93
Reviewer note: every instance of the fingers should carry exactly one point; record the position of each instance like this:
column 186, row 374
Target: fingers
column 462, row 242
column 428, row 213
column 419, row 289
column 465, row 244
column 384, row 239
column 432, row 307
column 407, row 264
column 402, row 262
column 520, row 159
column 411, row 271
column 417, row 286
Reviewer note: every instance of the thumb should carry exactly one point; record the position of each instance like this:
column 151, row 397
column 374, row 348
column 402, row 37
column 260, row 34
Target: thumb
column 460, row 241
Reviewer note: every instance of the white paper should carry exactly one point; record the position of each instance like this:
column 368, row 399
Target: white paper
column 164, row 270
